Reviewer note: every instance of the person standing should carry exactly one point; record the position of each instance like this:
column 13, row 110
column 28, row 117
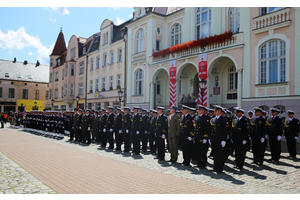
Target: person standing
column 136, row 123
column 95, row 127
column 240, row 130
column 152, row 128
column 291, row 133
column 257, row 134
column 275, row 129
column 126, row 128
column 71, row 128
column 218, row 139
column 173, row 133
column 201, row 136
column 118, row 129
column 79, row 125
column 161, row 133
column 145, row 130
column 75, row 124
column 110, row 120
column 83, row 127
column 2, row 119
column 103, row 128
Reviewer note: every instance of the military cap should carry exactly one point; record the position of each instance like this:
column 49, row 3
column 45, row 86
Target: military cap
column 274, row 110
column 122, row 111
column 250, row 111
column 174, row 107
column 75, row 109
column 80, row 110
column 118, row 108
column 228, row 111
column 97, row 111
column 103, row 109
column 92, row 110
column 257, row 109
column 136, row 107
column 83, row 110
column 264, row 112
column 217, row 107
column 160, row 108
column 238, row 109
column 126, row 108
column 87, row 110
column 185, row 107
column 144, row 109
column 193, row 109
column 178, row 111
column 110, row 107
column 154, row 111
column 211, row 110
column 290, row 112
column 201, row 107
column 150, row 110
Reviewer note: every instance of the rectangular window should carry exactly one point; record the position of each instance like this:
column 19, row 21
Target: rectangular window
column 91, row 86
column 98, row 62
column 104, row 60
column 92, row 64
column 47, row 95
column 103, row 83
column 66, row 71
column 11, row 93
column 81, row 68
column 62, row 92
column 36, row 94
column 120, row 55
column 119, row 80
column 282, row 70
column 56, row 76
column 80, row 89
column 25, row 94
column 50, row 78
column 112, row 57
column 0, row 92
column 56, row 93
column 72, row 70
column 63, row 107
column 157, row 45
column 72, row 90
column 273, row 49
column 97, row 84
column 98, row 106
column 51, row 62
column 273, row 71
column 72, row 53
column 66, row 90
column 50, row 93
column 263, row 71
column 63, row 74
column 58, row 62
column 111, row 83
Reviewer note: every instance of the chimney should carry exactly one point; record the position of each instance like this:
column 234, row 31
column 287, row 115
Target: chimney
column 37, row 63
column 25, row 62
column 15, row 60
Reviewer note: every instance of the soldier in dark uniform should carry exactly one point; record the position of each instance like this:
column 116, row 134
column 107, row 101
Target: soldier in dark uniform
column 88, row 127
column 186, row 135
column 2, row 119
column 83, row 126
column 126, row 128
column 161, row 132
column 211, row 112
column 193, row 147
column 103, row 128
column 275, row 129
column 240, row 132
column 201, row 136
column 62, row 125
column 71, row 128
column 250, row 114
column 152, row 127
column 110, row 127
column 75, row 124
column 118, row 129
column 218, row 139
column 145, row 130
column 95, row 127
column 291, row 133
column 79, row 125
column 257, row 134
column 136, row 127
column 265, row 143
column 228, row 138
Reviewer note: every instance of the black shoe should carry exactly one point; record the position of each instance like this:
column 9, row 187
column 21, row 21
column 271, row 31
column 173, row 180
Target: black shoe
column 174, row 161
column 187, row 164
column 161, row 159
column 156, row 158
column 170, row 160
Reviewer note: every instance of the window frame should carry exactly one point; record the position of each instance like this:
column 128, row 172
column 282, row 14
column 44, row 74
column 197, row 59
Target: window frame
column 119, row 55
column 81, row 68
column 1, row 92
column 174, row 34
column 72, row 89
column 104, row 60
column 119, row 80
column 98, row 62
column 234, row 78
column 104, row 83
column 11, row 93
column 25, row 94
column 92, row 64
column 91, row 85
column 139, row 82
column 200, row 22
column 80, row 88
column 56, row 93
column 234, row 19
column 111, row 82
column 72, row 70
column 112, row 57
column 140, row 40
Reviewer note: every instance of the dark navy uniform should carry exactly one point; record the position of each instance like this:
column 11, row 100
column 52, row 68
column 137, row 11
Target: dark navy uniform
column 103, row 130
column 88, row 128
column 161, row 129
column 118, row 131
column 152, row 127
column 291, row 133
column 257, row 134
column 110, row 120
column 144, row 132
column 126, row 129
column 79, row 125
column 186, row 135
column 136, row 127
column 275, row 129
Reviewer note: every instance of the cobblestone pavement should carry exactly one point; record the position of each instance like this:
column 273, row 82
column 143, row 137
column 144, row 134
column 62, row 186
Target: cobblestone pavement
column 15, row 180
column 271, row 178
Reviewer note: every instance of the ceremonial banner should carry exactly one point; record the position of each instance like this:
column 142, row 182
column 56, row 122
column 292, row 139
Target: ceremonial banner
column 203, row 74
column 172, row 87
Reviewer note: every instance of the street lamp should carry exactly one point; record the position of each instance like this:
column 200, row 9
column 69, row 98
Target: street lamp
column 120, row 93
column 202, row 84
column 52, row 102
column 35, row 107
column 77, row 99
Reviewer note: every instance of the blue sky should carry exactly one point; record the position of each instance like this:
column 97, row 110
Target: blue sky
column 29, row 33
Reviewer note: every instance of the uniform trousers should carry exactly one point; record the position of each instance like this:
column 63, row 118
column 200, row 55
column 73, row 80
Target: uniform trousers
column 186, row 150
column 72, row 133
column 76, row 134
column 144, row 137
column 161, row 148
column 258, row 151
column 275, row 147
column 291, row 144
column 219, row 156
column 240, row 153
column 103, row 139
column 152, row 142
column 127, row 143
column 109, row 137
column 136, row 143
column 201, row 153
column 173, row 147
column 119, row 139
column 87, row 137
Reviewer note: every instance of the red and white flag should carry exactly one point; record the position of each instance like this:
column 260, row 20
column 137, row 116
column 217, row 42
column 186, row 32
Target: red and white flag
column 172, row 87
column 24, row 113
column 203, row 74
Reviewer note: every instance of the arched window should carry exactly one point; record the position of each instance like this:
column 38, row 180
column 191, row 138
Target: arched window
column 233, row 76
column 234, row 19
column 175, row 37
column 138, row 82
column 140, row 41
column 158, row 87
column 203, row 22
column 272, row 62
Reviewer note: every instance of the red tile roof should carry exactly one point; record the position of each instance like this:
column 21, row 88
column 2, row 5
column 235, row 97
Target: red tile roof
column 60, row 45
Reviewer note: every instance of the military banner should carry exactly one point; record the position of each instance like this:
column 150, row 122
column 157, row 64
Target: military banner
column 203, row 75
column 172, row 87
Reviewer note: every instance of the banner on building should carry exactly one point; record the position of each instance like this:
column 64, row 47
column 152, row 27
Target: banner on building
column 203, row 75
column 172, row 87
column 97, row 94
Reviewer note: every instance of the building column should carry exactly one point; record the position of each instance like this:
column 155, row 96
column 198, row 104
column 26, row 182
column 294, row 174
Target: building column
column 178, row 98
column 208, row 93
column 239, row 88
column 151, row 95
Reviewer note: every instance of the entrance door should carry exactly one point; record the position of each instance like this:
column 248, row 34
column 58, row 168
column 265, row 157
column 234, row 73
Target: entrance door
column 9, row 108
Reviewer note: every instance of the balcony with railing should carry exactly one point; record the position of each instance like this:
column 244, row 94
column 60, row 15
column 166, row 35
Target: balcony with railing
column 273, row 20
column 235, row 40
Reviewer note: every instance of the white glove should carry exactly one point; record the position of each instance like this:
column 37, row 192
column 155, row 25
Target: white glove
column 63, row 127
column 104, row 130
column 163, row 136
column 89, row 128
column 262, row 140
column 231, row 141
column 137, row 132
column 227, row 137
column 193, row 140
column 278, row 137
column 189, row 138
column 155, row 134
column 127, row 131
column 223, row 143
column 120, row 131
column 204, row 141
column 209, row 142
column 80, row 127
column 267, row 137
column 111, row 130
column 244, row 142
column 296, row 138
column 145, row 132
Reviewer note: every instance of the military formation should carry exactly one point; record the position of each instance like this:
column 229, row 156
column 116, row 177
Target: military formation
column 194, row 130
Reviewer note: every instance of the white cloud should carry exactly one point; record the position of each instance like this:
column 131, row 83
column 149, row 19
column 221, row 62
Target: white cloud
column 52, row 20
column 20, row 39
column 130, row 16
column 30, row 53
column 116, row 8
column 59, row 10
column 119, row 21
column 10, row 52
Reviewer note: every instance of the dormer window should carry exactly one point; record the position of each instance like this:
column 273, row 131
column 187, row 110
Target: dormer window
column 6, row 74
column 58, row 61
column 19, row 75
column 84, row 50
column 139, row 11
column 30, row 76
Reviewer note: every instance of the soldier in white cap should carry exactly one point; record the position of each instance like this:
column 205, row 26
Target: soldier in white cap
column 291, row 133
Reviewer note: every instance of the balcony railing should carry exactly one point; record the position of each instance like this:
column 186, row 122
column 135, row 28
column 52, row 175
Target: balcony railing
column 280, row 18
column 235, row 40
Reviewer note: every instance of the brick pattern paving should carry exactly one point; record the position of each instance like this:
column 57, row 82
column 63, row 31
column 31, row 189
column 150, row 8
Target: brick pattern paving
column 71, row 171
